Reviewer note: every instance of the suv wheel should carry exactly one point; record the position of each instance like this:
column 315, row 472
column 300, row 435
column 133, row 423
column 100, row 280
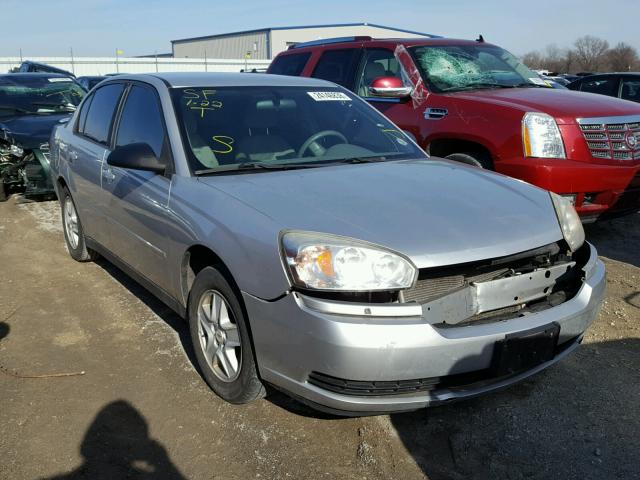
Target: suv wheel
column 221, row 339
column 472, row 158
column 73, row 233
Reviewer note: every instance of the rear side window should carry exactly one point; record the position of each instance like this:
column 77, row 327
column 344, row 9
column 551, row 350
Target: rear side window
column 338, row 66
column 141, row 120
column 603, row 86
column 100, row 115
column 290, row 64
column 82, row 117
column 631, row 89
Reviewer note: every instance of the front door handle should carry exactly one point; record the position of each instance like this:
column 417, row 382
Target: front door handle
column 108, row 174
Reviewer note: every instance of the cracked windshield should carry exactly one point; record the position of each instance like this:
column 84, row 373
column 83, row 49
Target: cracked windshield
column 465, row 67
column 39, row 95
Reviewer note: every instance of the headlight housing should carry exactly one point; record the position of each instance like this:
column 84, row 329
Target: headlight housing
column 569, row 221
column 541, row 136
column 321, row 261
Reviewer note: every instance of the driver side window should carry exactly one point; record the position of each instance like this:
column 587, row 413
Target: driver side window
column 377, row 63
column 141, row 121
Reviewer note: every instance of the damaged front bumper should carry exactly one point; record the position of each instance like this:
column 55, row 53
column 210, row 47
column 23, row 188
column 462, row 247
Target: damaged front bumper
column 372, row 358
column 24, row 171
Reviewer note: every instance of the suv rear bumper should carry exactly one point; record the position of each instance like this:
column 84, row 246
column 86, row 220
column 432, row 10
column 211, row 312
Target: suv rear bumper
column 296, row 345
column 600, row 191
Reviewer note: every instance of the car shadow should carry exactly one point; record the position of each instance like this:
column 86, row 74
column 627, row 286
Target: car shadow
column 617, row 239
column 578, row 419
column 117, row 445
column 165, row 313
column 4, row 329
column 181, row 327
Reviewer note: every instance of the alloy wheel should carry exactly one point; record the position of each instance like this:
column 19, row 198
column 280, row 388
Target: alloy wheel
column 71, row 223
column 219, row 336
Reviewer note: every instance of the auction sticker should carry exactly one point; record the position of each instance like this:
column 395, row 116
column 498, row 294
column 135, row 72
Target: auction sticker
column 329, row 96
column 538, row 81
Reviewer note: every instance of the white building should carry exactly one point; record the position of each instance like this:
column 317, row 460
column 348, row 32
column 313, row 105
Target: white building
column 266, row 43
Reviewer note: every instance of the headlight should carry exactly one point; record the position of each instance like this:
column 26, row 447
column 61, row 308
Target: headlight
column 569, row 221
column 16, row 150
column 541, row 136
column 327, row 262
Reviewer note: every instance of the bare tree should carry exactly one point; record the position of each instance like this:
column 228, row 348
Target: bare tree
column 554, row 58
column 590, row 53
column 622, row 58
column 533, row 60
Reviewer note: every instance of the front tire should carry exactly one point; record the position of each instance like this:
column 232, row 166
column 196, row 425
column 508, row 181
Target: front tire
column 220, row 336
column 73, row 232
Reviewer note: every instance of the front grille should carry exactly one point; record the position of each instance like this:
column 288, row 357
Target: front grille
column 436, row 282
column 612, row 141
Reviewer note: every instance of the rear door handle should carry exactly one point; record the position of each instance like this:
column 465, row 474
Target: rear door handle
column 73, row 155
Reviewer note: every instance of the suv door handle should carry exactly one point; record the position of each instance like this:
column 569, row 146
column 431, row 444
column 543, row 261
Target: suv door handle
column 73, row 155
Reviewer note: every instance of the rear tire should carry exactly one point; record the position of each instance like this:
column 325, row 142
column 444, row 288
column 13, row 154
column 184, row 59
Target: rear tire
column 73, row 232
column 220, row 335
column 474, row 159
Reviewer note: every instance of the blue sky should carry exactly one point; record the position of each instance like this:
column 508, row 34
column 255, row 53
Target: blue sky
column 98, row 27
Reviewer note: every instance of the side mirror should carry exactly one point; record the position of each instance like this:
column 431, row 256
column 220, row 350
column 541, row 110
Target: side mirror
column 389, row 87
column 136, row 156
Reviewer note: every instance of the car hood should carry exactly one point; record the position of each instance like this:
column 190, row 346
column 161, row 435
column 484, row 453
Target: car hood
column 564, row 105
column 30, row 131
column 434, row 211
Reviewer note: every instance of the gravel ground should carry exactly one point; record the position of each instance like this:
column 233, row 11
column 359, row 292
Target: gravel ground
column 141, row 411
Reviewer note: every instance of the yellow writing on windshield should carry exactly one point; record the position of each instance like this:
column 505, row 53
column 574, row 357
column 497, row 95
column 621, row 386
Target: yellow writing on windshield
column 199, row 100
column 223, row 142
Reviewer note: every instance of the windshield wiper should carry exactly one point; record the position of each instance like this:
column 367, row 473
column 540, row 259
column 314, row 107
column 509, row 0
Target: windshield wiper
column 372, row 159
column 15, row 109
column 529, row 85
column 253, row 166
column 67, row 106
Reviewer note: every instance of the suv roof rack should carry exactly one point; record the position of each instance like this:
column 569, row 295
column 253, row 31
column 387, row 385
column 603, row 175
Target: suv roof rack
column 327, row 41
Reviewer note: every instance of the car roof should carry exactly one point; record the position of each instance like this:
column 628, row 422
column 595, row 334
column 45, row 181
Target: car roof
column 608, row 74
column 206, row 79
column 386, row 42
column 34, row 75
column 16, row 78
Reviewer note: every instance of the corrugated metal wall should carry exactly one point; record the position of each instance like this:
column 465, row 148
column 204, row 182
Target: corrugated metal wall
column 280, row 39
column 228, row 46
column 101, row 65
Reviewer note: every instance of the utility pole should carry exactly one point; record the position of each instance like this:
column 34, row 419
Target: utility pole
column 206, row 69
column 156, row 54
column 73, row 68
column 117, row 64
column 20, row 55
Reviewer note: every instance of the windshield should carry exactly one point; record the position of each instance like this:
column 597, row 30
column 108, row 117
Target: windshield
column 469, row 67
column 226, row 129
column 38, row 95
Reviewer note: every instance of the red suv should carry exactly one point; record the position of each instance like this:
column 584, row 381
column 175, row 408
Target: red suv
column 476, row 103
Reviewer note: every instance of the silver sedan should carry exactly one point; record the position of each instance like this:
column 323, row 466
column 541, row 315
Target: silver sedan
column 312, row 246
